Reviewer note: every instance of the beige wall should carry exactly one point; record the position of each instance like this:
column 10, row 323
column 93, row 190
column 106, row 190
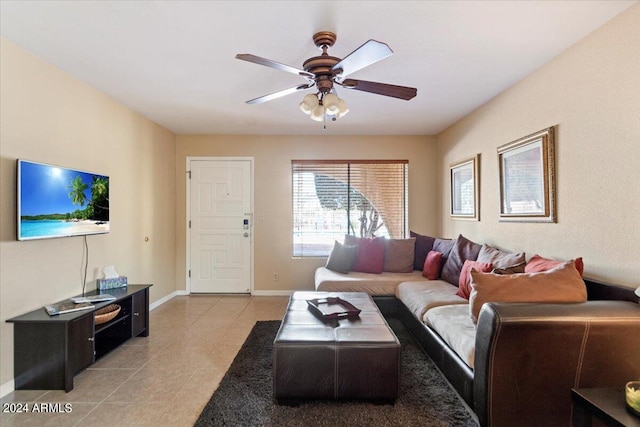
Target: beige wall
column 48, row 116
column 591, row 93
column 272, row 192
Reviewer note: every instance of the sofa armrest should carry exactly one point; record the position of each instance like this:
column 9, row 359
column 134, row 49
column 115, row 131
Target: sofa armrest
column 598, row 291
column 529, row 356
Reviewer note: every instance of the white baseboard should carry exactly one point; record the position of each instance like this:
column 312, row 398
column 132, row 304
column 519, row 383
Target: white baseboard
column 271, row 293
column 163, row 300
column 254, row 293
column 7, row 388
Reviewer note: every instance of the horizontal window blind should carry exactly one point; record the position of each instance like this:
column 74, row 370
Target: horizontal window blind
column 331, row 198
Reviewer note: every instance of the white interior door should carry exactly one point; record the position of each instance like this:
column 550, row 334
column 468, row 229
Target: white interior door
column 220, row 226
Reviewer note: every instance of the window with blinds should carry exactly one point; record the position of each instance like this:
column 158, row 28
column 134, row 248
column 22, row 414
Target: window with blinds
column 332, row 198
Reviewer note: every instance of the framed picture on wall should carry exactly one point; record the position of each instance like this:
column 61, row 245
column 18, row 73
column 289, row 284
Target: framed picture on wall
column 464, row 188
column 527, row 178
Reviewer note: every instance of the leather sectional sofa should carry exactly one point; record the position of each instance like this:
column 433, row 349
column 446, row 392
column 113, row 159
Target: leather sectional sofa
column 514, row 363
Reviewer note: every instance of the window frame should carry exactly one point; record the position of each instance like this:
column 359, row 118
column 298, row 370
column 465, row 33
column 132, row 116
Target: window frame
column 401, row 214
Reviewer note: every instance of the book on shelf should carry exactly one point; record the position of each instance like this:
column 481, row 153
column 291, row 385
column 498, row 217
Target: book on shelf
column 66, row 307
column 94, row 298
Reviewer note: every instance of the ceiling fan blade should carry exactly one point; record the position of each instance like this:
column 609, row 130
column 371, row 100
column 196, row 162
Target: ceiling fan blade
column 367, row 54
column 273, row 64
column 279, row 94
column 402, row 92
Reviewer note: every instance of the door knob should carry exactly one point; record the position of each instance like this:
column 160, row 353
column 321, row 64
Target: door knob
column 246, row 234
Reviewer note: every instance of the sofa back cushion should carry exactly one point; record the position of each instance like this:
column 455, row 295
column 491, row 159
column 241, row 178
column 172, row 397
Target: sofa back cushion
column 500, row 259
column 462, row 250
column 422, row 247
column 370, row 256
column 443, row 246
column 514, row 269
column 562, row 284
column 342, row 257
column 399, row 255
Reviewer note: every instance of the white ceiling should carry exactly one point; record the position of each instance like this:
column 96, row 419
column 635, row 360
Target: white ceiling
column 174, row 61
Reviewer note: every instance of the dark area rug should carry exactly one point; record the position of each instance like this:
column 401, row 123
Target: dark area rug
column 245, row 394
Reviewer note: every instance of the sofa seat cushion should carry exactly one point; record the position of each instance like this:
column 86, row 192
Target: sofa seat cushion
column 419, row 297
column 455, row 327
column 374, row 284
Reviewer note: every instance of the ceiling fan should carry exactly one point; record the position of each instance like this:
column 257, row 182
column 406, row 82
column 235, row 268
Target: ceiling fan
column 325, row 72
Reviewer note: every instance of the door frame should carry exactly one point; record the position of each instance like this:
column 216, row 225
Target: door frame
column 251, row 161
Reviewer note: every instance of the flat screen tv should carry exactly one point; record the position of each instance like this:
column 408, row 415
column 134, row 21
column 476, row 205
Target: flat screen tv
column 59, row 202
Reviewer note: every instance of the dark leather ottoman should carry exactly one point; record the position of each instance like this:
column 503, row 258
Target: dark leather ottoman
column 356, row 358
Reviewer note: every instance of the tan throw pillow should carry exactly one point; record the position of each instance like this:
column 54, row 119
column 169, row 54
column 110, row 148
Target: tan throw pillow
column 399, row 255
column 562, row 284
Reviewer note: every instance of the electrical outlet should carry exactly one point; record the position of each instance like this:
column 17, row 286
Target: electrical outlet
column 276, row 277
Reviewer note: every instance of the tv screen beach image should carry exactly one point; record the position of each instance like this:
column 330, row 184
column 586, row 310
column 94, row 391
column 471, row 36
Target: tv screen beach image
column 59, row 202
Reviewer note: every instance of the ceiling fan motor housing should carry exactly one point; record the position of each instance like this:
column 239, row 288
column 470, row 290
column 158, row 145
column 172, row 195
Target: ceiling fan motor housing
column 324, row 84
column 321, row 66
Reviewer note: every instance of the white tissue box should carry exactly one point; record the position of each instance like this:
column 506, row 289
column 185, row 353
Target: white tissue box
column 116, row 282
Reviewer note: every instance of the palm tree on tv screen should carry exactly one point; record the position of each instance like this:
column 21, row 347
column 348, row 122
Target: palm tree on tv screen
column 100, row 198
column 98, row 207
column 76, row 191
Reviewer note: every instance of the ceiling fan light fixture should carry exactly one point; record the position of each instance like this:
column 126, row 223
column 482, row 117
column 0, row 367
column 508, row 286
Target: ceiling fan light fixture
column 343, row 108
column 318, row 113
column 308, row 103
column 323, row 106
column 331, row 103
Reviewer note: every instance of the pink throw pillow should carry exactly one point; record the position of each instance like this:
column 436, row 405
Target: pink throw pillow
column 432, row 263
column 370, row 257
column 538, row 264
column 464, row 284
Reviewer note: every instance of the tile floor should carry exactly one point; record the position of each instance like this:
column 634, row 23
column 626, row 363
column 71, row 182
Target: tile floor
column 164, row 379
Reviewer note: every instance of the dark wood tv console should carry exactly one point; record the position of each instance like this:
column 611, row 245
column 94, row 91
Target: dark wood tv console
column 48, row 351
